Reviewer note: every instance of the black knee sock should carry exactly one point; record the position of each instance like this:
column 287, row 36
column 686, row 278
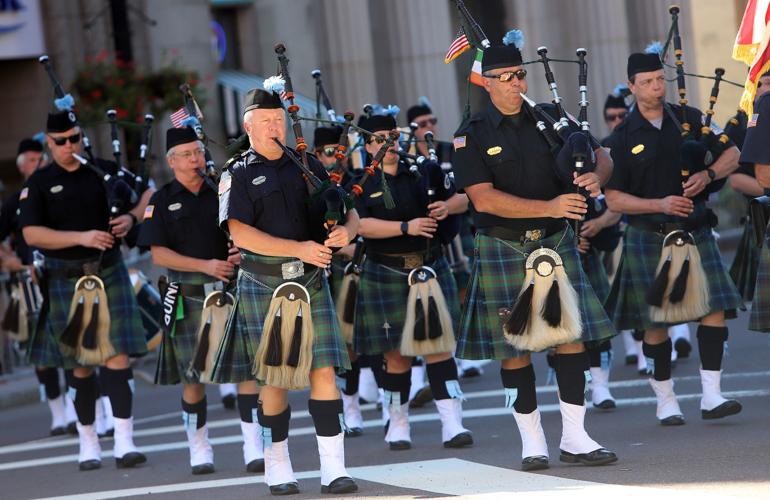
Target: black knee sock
column 376, row 364
column 570, row 375
column 117, row 385
column 638, row 335
column 439, row 374
column 68, row 376
column 326, row 416
column 399, row 383
column 596, row 353
column 199, row 409
column 101, row 382
column 711, row 346
column 661, row 359
column 276, row 427
column 351, row 378
column 523, row 381
column 49, row 378
column 85, row 398
column 247, row 403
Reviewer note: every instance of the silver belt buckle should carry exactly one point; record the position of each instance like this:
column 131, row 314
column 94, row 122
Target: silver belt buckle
column 293, row 269
column 413, row 261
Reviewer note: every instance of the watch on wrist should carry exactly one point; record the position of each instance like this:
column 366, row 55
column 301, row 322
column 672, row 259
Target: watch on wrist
column 404, row 228
column 712, row 175
column 134, row 220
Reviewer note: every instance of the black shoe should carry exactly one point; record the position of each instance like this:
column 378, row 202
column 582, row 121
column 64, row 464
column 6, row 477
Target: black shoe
column 601, row 456
column 683, row 348
column 386, row 427
column 607, row 404
column 471, row 372
column 673, row 420
column 631, row 359
column 423, row 396
column 730, row 407
column 130, row 460
column 340, row 485
column 460, row 441
column 643, row 371
column 399, row 445
column 108, row 433
column 534, row 463
column 72, row 428
column 353, row 432
column 256, row 465
column 284, row 489
column 229, row 401
column 197, row 470
column 90, row 465
column 58, row 431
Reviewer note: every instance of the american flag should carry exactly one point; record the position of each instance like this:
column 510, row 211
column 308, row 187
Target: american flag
column 459, row 46
column 178, row 116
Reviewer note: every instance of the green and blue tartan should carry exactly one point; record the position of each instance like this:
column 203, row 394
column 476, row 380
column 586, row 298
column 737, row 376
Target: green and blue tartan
column 42, row 349
column 641, row 253
column 744, row 269
column 597, row 276
column 381, row 305
column 337, row 274
column 177, row 351
column 496, row 280
column 234, row 360
column 759, row 318
column 126, row 330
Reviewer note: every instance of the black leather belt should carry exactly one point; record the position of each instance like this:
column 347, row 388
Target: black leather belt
column 189, row 290
column 405, row 261
column 521, row 235
column 91, row 267
column 705, row 221
column 286, row 270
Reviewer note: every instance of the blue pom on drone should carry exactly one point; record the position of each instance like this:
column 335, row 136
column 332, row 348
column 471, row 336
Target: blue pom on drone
column 65, row 103
column 423, row 101
column 620, row 90
column 191, row 122
column 391, row 110
column 514, row 37
column 39, row 137
column 274, row 84
column 655, row 47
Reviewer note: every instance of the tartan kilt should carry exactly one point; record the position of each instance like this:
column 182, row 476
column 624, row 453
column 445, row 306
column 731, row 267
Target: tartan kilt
column 126, row 329
column 381, row 300
column 641, row 253
column 234, row 360
column 496, row 280
column 337, row 274
column 759, row 318
column 597, row 276
column 42, row 349
column 743, row 271
column 176, row 353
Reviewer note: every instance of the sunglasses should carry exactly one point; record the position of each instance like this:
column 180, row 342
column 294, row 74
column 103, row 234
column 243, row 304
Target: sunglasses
column 61, row 141
column 611, row 117
column 377, row 138
column 508, row 75
column 425, row 123
column 329, row 151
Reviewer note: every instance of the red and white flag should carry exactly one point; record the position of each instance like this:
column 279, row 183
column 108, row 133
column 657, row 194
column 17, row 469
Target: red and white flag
column 752, row 46
column 178, row 116
column 460, row 45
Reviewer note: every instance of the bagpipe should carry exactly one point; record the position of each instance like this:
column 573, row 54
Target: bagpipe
column 346, row 299
column 23, row 307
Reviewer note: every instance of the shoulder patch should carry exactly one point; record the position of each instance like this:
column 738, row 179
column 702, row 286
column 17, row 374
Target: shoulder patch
column 149, row 211
column 224, row 184
column 24, row 194
column 459, row 142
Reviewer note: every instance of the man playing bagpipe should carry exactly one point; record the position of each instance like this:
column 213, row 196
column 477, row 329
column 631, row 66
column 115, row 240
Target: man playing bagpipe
column 181, row 228
column 528, row 291
column 284, row 331
column 407, row 299
column 71, row 214
column 672, row 271
column 756, row 152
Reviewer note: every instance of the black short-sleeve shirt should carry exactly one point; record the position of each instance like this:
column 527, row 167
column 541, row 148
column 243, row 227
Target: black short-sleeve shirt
column 272, row 196
column 9, row 226
column 756, row 146
column 510, row 153
column 647, row 160
column 411, row 201
column 66, row 201
column 184, row 222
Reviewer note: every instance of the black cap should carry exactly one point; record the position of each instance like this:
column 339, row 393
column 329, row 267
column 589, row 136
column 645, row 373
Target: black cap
column 500, row 56
column 615, row 101
column 60, row 121
column 417, row 110
column 29, row 145
column 642, row 63
column 177, row 136
column 377, row 122
column 324, row 136
column 261, row 99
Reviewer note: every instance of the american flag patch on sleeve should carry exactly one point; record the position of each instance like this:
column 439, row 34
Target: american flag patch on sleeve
column 24, row 193
column 459, row 142
column 149, row 211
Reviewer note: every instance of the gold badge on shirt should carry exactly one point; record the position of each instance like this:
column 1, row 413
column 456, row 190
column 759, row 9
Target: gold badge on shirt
column 174, row 207
column 494, row 150
column 376, row 195
column 57, row 189
column 637, row 149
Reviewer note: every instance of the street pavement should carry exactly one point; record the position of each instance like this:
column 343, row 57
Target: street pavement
column 704, row 459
